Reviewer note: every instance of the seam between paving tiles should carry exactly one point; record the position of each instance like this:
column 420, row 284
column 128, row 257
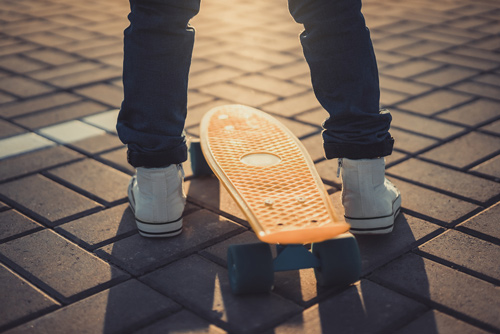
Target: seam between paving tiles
column 83, row 192
column 52, row 292
column 494, row 199
column 71, row 90
column 458, row 267
column 431, row 304
column 37, row 314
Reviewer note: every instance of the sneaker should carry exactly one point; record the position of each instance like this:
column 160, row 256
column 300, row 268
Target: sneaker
column 371, row 202
column 157, row 198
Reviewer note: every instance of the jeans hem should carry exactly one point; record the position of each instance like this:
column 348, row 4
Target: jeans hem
column 157, row 159
column 359, row 151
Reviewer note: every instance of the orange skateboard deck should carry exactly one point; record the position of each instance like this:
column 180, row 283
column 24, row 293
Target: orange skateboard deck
column 270, row 175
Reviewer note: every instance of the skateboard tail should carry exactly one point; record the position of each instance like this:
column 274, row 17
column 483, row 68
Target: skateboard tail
column 306, row 235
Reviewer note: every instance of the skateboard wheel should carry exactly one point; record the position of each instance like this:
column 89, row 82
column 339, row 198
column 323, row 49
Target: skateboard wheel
column 250, row 268
column 340, row 261
column 199, row 165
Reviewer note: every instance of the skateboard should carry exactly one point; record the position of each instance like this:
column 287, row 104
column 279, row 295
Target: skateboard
column 272, row 178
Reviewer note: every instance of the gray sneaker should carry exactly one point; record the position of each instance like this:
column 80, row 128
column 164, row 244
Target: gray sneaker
column 371, row 202
column 157, row 198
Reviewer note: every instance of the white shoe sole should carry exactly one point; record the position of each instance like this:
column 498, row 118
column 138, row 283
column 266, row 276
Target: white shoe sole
column 157, row 229
column 375, row 225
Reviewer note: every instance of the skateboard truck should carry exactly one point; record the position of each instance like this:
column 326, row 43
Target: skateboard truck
column 294, row 257
column 273, row 180
column 251, row 267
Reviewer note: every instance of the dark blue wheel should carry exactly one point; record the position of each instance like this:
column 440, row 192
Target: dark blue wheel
column 199, row 165
column 340, row 261
column 250, row 268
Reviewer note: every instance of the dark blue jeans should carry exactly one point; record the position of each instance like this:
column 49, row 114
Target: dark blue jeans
column 158, row 46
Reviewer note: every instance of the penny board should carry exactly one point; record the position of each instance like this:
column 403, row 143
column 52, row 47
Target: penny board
column 270, row 175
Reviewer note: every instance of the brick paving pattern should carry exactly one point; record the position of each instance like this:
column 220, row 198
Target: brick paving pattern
column 71, row 260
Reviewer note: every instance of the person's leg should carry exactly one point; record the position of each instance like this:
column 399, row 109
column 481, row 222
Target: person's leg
column 338, row 49
column 158, row 46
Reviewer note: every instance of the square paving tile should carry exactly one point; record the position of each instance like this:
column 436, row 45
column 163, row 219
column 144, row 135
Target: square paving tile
column 490, row 167
column 203, row 286
column 59, row 115
column 462, row 184
column 98, row 144
column 182, row 322
column 289, row 71
column 434, row 33
column 423, row 48
column 70, row 131
column 53, row 57
column 489, row 91
column 465, row 61
column 390, row 98
column 464, row 150
column 435, row 321
column 58, row 266
column 13, row 224
column 410, row 142
column 238, row 94
column 100, row 228
column 105, row 120
column 20, row 64
column 46, row 38
column 107, row 94
column 446, row 76
column 356, row 310
column 209, row 193
column 424, row 126
column 492, row 127
column 138, row 254
column 95, row 179
column 491, row 79
column 436, row 284
column 38, row 160
column 403, row 86
column 118, row 158
column 485, row 223
column 410, row 68
column 294, row 105
column 24, row 87
column 87, row 77
column 45, row 200
column 23, row 143
column 435, row 102
column 314, row 146
column 242, row 62
column 473, row 113
column 408, row 233
column 271, row 85
column 447, row 210
column 208, row 78
column 5, row 98
column 123, row 308
column 476, row 53
column 465, row 251
column 393, row 42
column 74, row 68
column 38, row 103
column 20, row 299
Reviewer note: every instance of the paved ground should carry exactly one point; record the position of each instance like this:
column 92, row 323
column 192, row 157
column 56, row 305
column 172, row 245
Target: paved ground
column 72, row 262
